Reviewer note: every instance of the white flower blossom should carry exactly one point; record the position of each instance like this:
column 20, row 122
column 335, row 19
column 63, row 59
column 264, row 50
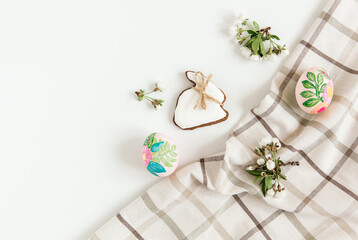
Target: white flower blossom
column 272, row 57
column 260, row 161
column 161, row 86
column 280, row 194
column 270, row 164
column 270, row 192
column 245, row 34
column 246, row 52
column 268, row 156
column 265, row 141
column 250, row 168
column 255, row 58
column 240, row 16
column 158, row 107
column 286, row 52
column 267, row 45
column 277, row 143
column 233, row 31
column 238, row 22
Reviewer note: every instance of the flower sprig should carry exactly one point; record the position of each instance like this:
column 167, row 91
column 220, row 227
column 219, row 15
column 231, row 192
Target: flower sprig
column 268, row 168
column 156, row 103
column 258, row 43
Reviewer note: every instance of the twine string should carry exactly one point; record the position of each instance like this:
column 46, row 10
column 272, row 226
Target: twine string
column 200, row 87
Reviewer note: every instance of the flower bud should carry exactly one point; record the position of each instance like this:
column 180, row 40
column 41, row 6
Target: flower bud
column 255, row 58
column 281, row 194
column 277, row 143
column 161, row 86
column 260, row 161
column 246, row 52
column 270, row 192
column 265, row 141
column 250, row 168
column 270, row 165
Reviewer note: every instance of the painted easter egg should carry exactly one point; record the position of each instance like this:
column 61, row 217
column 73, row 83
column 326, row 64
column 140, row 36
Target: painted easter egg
column 160, row 155
column 314, row 90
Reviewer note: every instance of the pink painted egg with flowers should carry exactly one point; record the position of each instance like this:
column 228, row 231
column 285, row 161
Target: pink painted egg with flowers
column 160, row 155
column 314, row 90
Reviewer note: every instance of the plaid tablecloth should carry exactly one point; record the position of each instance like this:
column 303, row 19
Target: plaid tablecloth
column 215, row 198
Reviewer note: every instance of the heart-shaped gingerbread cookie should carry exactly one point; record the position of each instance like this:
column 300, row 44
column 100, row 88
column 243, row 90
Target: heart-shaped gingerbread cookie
column 200, row 105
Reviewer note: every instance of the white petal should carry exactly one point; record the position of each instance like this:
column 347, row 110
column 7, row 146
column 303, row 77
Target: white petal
column 267, row 45
column 233, row 30
column 246, row 52
column 162, row 85
column 272, row 57
column 265, row 141
column 255, row 58
column 249, row 168
column 241, row 16
column 281, row 194
column 277, row 143
column 270, row 192
column 270, row 164
column 238, row 22
column 260, row 161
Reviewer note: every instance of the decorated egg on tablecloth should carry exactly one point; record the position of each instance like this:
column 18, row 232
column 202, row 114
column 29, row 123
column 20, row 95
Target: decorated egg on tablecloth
column 160, row 155
column 314, row 90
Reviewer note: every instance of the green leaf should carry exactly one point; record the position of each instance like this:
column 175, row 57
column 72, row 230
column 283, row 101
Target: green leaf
column 283, row 176
column 262, row 48
column 319, row 79
column 263, row 187
column 173, row 148
column 170, row 159
column 268, row 183
column 258, row 178
column 156, row 159
column 173, row 154
column 307, row 94
column 322, row 88
column 311, row 102
column 275, row 37
column 311, row 76
column 255, row 45
column 149, row 141
column 254, row 172
column 166, row 163
column 307, row 84
column 256, row 25
column 250, row 41
column 251, row 32
column 166, row 146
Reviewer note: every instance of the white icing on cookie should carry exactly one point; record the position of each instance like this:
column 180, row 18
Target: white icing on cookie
column 188, row 117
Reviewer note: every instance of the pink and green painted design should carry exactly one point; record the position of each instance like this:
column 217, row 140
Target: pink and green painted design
column 159, row 155
column 314, row 90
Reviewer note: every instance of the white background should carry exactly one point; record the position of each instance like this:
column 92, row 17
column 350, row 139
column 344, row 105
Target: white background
column 71, row 129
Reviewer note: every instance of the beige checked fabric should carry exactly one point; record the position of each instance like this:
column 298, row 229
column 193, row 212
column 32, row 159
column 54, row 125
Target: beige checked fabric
column 215, row 198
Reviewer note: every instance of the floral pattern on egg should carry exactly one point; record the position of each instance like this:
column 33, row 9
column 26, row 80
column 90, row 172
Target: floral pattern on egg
column 314, row 90
column 160, row 155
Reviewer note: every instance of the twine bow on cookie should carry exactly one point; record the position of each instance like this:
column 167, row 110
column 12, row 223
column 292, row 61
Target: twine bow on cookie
column 200, row 87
